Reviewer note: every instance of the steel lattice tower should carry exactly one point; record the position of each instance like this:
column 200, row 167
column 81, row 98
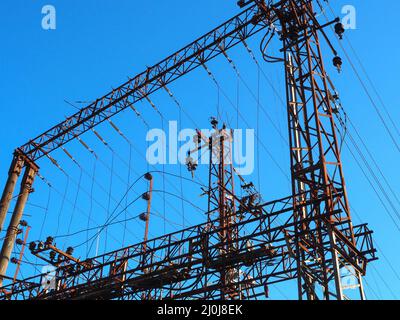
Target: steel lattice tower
column 316, row 244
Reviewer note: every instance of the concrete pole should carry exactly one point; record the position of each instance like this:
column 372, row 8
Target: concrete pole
column 12, row 231
column 13, row 175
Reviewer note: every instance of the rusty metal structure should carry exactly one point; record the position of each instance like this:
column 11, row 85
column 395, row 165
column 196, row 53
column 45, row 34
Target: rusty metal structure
column 246, row 244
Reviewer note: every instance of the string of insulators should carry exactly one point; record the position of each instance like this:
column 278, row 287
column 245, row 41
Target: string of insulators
column 230, row 61
column 171, row 95
column 70, row 156
column 139, row 115
column 251, row 53
column 44, row 179
column 114, row 126
column 101, row 139
column 146, row 96
column 84, row 144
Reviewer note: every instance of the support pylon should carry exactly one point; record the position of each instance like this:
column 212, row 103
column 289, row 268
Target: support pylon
column 316, row 166
column 13, row 175
column 12, row 231
column 221, row 201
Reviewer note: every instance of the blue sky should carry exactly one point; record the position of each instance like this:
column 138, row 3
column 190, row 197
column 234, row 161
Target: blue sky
column 98, row 44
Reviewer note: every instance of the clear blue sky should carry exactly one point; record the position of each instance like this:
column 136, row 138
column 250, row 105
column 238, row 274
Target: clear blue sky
column 98, row 44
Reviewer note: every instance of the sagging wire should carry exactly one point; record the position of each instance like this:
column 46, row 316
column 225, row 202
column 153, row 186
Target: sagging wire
column 254, row 96
column 373, row 103
column 92, row 177
column 265, row 42
column 181, row 109
column 164, row 173
column 115, row 127
column 107, row 145
column 211, row 75
column 138, row 114
column 110, row 220
column 171, row 95
column 83, row 212
column 365, row 88
column 268, row 79
column 131, row 145
column 64, row 195
column 91, row 204
column 47, row 204
column 164, row 143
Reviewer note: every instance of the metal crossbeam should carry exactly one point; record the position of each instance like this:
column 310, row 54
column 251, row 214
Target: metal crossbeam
column 222, row 38
column 308, row 236
column 186, row 264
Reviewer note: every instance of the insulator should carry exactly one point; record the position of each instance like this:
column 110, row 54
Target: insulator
column 49, row 241
column 14, row 261
column 241, row 3
column 32, row 246
column 20, row 242
column 23, row 223
column 41, row 245
column 191, row 165
column 214, row 122
column 143, row 217
column 52, row 255
column 70, row 251
column 148, row 176
column 146, row 196
column 266, row 291
column 337, row 62
column 339, row 29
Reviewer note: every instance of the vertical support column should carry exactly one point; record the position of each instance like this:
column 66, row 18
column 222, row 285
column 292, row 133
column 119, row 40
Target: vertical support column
column 12, row 231
column 149, row 197
column 13, row 175
column 316, row 165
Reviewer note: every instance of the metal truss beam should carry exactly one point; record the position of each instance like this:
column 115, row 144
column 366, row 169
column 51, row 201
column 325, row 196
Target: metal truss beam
column 187, row 264
column 222, row 38
column 316, row 164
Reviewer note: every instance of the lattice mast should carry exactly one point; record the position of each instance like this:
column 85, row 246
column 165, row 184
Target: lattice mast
column 320, row 236
column 324, row 234
column 222, row 207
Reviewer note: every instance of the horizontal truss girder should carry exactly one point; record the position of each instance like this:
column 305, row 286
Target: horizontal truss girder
column 222, row 38
column 185, row 259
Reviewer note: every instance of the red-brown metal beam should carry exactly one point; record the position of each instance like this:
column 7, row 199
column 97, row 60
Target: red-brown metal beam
column 207, row 47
